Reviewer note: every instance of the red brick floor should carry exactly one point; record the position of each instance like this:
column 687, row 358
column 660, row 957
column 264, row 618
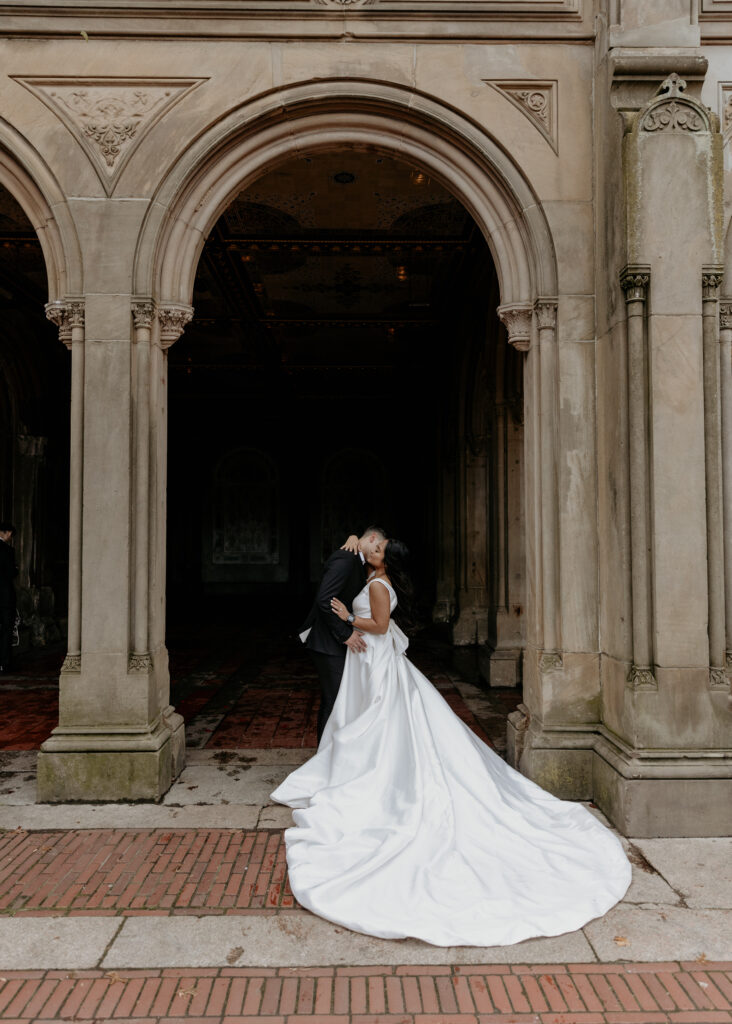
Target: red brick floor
column 263, row 688
column 686, row 993
column 112, row 872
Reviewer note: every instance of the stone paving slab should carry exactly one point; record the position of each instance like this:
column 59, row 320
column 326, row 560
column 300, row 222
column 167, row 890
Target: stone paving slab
column 300, row 939
column 243, row 784
column 700, row 869
column 55, row 942
column 482, row 994
column 651, row 932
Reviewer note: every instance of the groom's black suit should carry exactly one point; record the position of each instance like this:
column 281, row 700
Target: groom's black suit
column 343, row 577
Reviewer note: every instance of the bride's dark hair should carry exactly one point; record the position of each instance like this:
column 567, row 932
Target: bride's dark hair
column 396, row 562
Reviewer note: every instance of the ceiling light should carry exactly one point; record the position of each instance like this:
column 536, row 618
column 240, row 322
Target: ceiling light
column 401, row 273
column 419, row 178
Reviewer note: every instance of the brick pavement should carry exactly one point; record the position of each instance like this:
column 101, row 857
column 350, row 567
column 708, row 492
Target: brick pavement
column 685, row 993
column 113, row 872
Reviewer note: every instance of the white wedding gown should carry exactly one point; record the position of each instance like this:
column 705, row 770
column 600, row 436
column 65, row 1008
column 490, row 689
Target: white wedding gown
column 407, row 824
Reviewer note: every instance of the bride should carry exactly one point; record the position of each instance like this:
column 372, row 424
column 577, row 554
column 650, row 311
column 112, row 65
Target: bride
column 407, row 824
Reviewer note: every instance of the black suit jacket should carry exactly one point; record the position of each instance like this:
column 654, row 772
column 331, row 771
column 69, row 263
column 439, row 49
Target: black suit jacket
column 343, row 577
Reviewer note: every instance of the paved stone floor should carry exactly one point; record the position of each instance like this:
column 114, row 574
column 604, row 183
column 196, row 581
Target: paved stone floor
column 181, row 910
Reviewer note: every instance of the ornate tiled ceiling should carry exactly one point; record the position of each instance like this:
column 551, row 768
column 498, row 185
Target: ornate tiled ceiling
column 333, row 260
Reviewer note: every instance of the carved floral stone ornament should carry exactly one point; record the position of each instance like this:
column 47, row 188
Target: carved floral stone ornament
column 66, row 315
column 718, row 679
column 143, row 315
column 72, row 663
column 537, row 100
column 173, row 319
column 344, row 3
column 546, row 313
column 634, row 280
column 550, row 661
column 641, row 678
column 139, row 663
column 672, row 111
column 109, row 116
column 712, row 278
column 517, row 321
column 725, row 316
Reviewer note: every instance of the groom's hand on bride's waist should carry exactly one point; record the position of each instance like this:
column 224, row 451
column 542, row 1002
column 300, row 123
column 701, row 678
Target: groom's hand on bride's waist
column 356, row 642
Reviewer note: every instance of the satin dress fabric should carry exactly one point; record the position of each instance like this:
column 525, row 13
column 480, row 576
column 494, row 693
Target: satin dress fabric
column 407, row 824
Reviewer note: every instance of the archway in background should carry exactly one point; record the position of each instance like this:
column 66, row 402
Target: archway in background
column 373, row 118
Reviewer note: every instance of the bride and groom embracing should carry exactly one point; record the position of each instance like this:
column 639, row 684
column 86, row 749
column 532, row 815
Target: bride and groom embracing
column 406, row 823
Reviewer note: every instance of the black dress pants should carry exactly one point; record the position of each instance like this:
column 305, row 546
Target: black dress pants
column 330, row 671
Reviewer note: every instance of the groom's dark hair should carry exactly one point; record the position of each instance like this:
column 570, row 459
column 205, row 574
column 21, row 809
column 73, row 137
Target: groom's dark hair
column 375, row 529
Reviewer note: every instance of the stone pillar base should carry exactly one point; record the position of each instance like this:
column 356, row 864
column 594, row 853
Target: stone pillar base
column 675, row 794
column 76, row 767
column 678, row 794
column 470, row 627
column 501, row 667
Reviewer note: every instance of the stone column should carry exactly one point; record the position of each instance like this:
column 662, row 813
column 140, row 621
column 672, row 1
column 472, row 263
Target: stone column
column 725, row 346
column 711, row 280
column 69, row 318
column 117, row 737
column 634, row 281
column 546, row 317
column 501, row 658
column 662, row 764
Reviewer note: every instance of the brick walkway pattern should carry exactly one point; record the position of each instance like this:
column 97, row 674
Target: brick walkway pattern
column 684, row 993
column 119, row 872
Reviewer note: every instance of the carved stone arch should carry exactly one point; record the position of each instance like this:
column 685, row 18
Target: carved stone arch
column 336, row 114
column 26, row 176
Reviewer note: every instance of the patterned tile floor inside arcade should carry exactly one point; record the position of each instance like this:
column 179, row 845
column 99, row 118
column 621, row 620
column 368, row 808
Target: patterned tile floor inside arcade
column 70, row 895
column 239, row 690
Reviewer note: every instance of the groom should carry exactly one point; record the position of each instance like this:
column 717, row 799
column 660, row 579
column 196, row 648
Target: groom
column 324, row 634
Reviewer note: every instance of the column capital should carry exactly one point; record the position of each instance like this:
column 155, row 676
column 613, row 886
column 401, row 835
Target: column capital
column 711, row 282
column 516, row 318
column 143, row 313
column 546, row 313
column 66, row 314
column 725, row 315
column 173, row 318
column 634, row 280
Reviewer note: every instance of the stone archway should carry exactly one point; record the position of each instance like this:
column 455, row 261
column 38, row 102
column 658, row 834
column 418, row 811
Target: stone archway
column 257, row 136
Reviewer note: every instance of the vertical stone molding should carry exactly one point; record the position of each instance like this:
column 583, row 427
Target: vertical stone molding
column 173, row 318
column 545, row 312
column 711, row 281
column 68, row 315
column 517, row 321
column 725, row 345
column 635, row 280
column 143, row 315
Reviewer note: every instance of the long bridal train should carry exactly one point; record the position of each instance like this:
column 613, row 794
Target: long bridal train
column 407, row 824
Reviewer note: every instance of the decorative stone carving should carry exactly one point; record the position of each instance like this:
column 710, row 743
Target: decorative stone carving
column 718, row 678
column 143, row 314
column 139, row 663
column 550, row 661
column 674, row 112
column 173, row 320
column 65, row 315
column 725, row 316
column 728, row 659
column 109, row 116
column 725, row 108
column 537, row 100
column 711, row 281
column 344, row 3
column 72, row 663
column 546, row 313
column 634, row 280
column 517, row 321
column 641, row 678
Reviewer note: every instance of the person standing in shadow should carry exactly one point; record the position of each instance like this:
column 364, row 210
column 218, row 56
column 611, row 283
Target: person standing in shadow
column 325, row 636
column 8, row 572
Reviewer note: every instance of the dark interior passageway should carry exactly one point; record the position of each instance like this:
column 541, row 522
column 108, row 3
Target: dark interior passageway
column 315, row 390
